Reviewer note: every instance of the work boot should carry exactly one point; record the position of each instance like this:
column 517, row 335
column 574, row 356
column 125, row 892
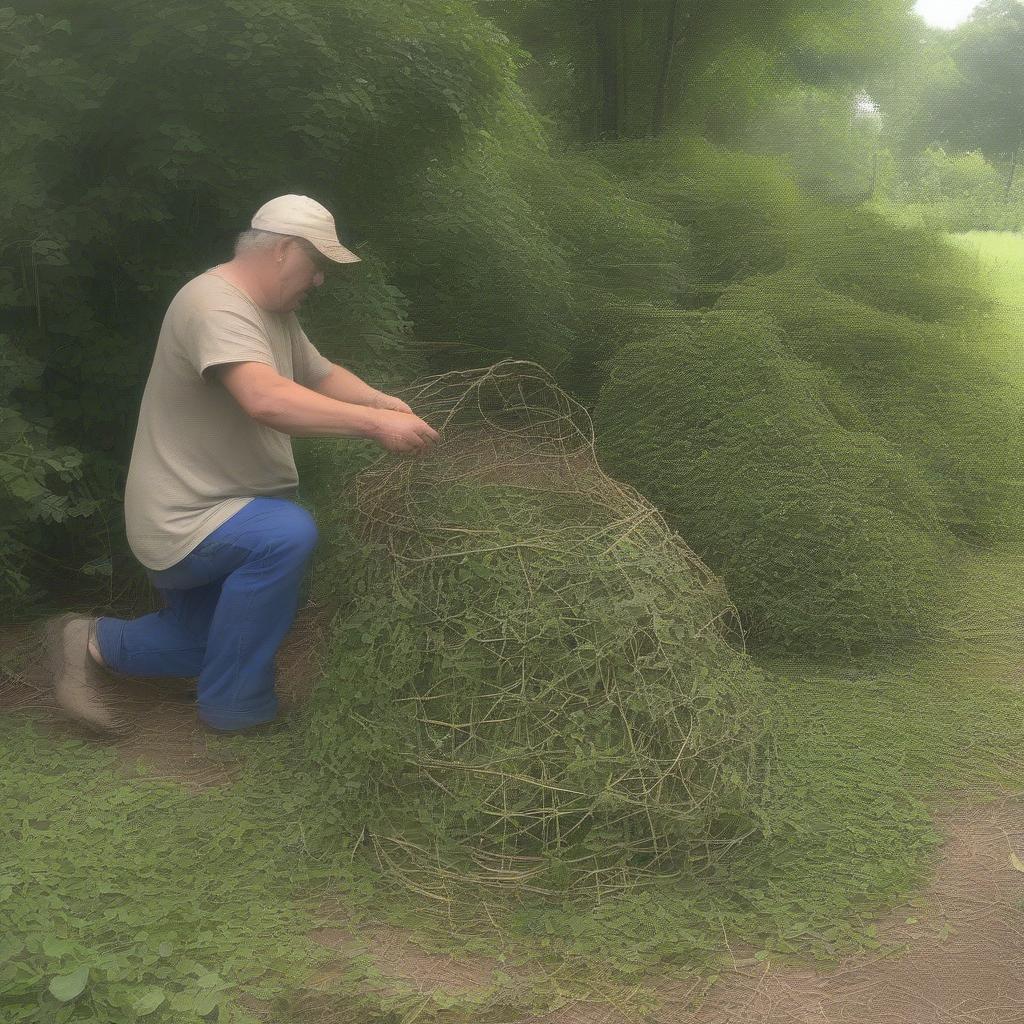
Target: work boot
column 78, row 681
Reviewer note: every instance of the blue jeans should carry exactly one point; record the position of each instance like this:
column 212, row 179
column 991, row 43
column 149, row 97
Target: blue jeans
column 229, row 604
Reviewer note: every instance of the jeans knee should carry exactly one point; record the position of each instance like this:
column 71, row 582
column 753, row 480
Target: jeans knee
column 300, row 533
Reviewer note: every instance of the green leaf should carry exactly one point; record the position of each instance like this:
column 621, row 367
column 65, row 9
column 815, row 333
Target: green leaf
column 149, row 1002
column 205, row 1003
column 66, row 987
column 55, row 947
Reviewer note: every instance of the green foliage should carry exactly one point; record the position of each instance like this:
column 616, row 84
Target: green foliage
column 166, row 895
column 744, row 213
column 131, row 899
column 40, row 481
column 625, row 256
column 890, row 313
column 920, row 386
column 827, row 535
column 981, row 105
column 362, row 322
column 407, row 122
column 861, row 757
column 896, row 268
column 627, row 69
column 523, row 248
column 829, row 144
column 1000, row 260
column 955, row 192
column 138, row 151
column 485, row 275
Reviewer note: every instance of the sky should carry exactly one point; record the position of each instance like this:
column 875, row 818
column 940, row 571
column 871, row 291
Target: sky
column 945, row 13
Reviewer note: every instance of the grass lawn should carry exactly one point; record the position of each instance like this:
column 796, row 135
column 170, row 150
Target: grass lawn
column 1000, row 254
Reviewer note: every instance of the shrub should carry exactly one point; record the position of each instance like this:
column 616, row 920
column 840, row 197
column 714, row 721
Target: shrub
column 921, row 386
column 744, row 213
column 896, row 268
column 828, row 536
column 142, row 140
column 484, row 275
column 40, row 483
column 955, row 192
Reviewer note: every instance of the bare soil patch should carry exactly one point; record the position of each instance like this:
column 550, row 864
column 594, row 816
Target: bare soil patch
column 962, row 957
column 164, row 729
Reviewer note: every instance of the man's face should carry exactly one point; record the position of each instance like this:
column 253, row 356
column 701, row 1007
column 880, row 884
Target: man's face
column 298, row 268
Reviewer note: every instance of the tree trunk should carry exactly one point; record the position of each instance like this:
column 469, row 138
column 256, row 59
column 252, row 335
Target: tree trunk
column 658, row 117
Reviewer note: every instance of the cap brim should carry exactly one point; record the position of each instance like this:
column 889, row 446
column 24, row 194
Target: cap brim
column 334, row 250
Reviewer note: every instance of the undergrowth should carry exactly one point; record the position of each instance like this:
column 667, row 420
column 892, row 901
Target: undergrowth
column 179, row 902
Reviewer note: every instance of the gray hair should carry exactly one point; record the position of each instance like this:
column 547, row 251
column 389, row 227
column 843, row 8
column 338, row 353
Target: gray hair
column 253, row 238
column 257, row 238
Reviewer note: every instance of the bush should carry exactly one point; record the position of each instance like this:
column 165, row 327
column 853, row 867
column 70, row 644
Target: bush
column 627, row 258
column 484, row 274
column 529, row 250
column 920, row 386
column 956, row 192
column 141, row 143
column 896, row 268
column 744, row 213
column 40, row 484
column 828, row 536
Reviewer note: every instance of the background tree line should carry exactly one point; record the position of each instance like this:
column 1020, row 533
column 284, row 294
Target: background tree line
column 552, row 181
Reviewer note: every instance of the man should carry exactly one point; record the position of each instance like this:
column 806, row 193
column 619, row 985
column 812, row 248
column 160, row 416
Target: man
column 208, row 497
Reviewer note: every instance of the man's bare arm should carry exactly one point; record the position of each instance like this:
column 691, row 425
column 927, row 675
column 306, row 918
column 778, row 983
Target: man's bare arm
column 291, row 408
column 344, row 386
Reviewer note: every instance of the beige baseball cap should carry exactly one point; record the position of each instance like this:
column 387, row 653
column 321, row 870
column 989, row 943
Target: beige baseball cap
column 306, row 218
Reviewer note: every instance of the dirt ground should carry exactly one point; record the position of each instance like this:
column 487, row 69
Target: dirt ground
column 964, row 958
column 164, row 732
column 963, row 964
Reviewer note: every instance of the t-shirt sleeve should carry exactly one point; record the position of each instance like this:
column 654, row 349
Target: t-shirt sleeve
column 219, row 334
column 309, row 365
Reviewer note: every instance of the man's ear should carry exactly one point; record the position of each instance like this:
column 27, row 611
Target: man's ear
column 280, row 249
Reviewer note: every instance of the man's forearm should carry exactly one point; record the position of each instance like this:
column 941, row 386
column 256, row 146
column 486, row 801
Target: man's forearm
column 345, row 386
column 302, row 412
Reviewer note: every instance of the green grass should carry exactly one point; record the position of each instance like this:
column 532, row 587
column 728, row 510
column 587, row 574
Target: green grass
column 1000, row 255
column 194, row 898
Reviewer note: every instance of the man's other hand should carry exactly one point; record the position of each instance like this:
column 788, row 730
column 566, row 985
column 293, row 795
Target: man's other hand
column 392, row 403
column 404, row 432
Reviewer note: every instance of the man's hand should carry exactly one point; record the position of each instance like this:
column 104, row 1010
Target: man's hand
column 391, row 402
column 404, row 432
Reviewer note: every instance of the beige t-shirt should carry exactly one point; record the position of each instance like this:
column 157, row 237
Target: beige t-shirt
column 198, row 457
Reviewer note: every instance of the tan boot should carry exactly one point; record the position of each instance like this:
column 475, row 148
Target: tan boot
column 77, row 679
